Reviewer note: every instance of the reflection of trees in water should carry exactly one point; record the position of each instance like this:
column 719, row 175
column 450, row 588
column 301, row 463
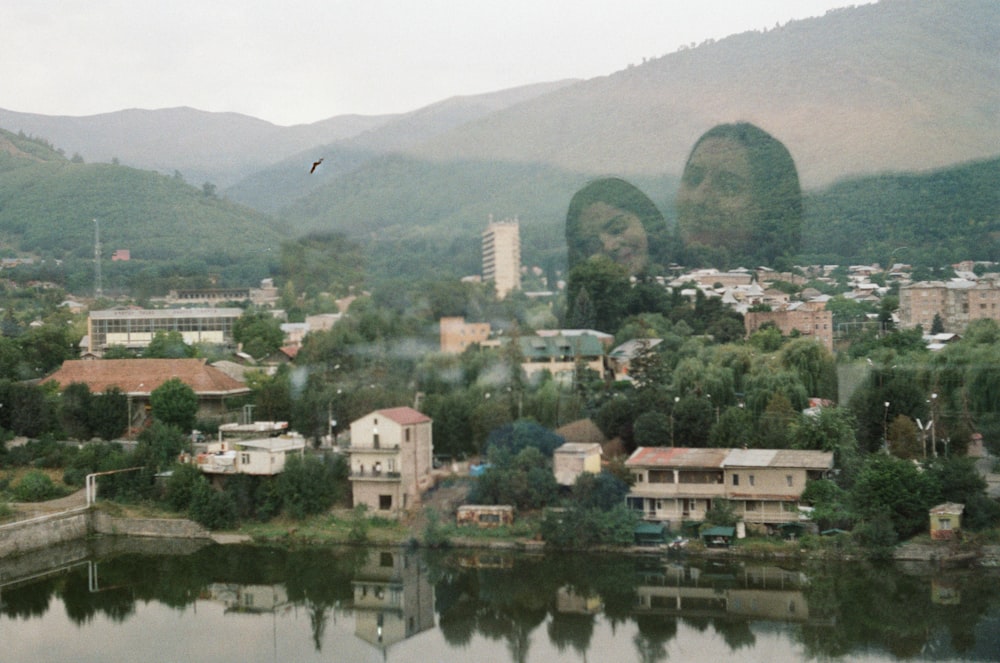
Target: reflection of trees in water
column 28, row 601
column 654, row 632
column 571, row 630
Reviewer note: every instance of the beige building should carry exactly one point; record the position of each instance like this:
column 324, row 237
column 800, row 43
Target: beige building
column 390, row 459
column 502, row 256
column 957, row 302
column 573, row 459
column 763, row 485
column 807, row 318
column 457, row 334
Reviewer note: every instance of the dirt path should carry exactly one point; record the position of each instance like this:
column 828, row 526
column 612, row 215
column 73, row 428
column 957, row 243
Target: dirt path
column 32, row 509
column 443, row 499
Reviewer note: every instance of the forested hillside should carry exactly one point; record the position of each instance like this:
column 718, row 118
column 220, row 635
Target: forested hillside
column 48, row 204
column 942, row 217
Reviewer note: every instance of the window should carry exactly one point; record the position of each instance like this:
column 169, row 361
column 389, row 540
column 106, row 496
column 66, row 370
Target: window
column 752, row 479
column 736, row 479
column 245, row 459
column 385, row 559
column 385, row 502
column 751, row 506
column 944, row 524
column 788, row 480
column 407, row 435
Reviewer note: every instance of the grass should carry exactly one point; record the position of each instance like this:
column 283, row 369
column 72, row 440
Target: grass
column 336, row 526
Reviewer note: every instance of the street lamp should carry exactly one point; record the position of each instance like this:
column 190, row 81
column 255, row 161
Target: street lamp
column 885, row 427
column 677, row 399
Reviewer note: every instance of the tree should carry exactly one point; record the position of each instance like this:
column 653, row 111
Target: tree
column 75, row 411
column 259, row 333
column 168, row 345
column 937, row 325
column 652, row 429
column 109, row 413
column 896, row 488
column 175, row 404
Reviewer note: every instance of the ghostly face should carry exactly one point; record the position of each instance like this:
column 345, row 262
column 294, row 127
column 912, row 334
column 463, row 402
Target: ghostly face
column 715, row 203
column 620, row 235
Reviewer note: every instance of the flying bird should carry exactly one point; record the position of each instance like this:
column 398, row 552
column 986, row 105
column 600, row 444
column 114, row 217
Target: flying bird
column 315, row 165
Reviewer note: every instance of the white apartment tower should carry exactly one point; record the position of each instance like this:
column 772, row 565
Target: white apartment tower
column 502, row 255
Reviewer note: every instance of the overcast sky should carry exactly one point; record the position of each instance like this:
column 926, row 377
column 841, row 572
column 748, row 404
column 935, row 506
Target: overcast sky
column 299, row 61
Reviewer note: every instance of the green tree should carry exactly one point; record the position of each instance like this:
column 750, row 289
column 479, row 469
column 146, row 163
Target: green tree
column 896, row 488
column 168, row 345
column 75, row 411
column 258, row 332
column 175, row 404
column 109, row 413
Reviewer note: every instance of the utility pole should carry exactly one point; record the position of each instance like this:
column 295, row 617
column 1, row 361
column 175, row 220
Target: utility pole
column 98, row 286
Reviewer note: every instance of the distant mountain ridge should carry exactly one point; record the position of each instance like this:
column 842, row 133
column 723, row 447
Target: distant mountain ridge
column 223, row 148
column 902, row 86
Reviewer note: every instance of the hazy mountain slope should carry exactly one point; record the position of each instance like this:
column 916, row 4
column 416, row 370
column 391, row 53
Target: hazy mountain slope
column 901, row 85
column 279, row 185
column 217, row 147
column 47, row 207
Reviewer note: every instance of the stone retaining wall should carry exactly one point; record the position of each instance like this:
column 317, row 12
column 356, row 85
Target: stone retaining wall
column 43, row 531
column 58, row 528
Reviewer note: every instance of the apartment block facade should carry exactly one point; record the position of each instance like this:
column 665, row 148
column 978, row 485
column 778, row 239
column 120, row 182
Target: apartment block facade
column 957, row 302
column 502, row 256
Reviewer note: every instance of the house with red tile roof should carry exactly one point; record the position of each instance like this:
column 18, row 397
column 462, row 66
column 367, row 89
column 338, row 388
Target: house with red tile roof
column 390, row 459
column 138, row 378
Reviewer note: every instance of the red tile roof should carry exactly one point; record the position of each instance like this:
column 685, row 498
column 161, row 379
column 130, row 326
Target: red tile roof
column 141, row 376
column 405, row 416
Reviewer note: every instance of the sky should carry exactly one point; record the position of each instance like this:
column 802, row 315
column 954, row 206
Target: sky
column 301, row 61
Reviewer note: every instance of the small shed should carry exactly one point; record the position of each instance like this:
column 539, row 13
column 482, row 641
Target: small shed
column 485, row 515
column 573, row 459
column 650, row 534
column 946, row 521
column 718, row 537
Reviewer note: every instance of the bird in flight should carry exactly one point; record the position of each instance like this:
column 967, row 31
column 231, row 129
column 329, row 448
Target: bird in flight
column 315, row 165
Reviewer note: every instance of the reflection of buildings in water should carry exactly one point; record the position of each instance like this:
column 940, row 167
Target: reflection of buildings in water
column 761, row 592
column 945, row 591
column 393, row 598
column 569, row 602
column 249, row 598
column 486, row 560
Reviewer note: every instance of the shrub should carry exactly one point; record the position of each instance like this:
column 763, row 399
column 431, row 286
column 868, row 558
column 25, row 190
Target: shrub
column 211, row 508
column 36, row 486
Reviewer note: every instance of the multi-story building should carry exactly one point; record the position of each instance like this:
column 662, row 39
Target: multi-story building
column 391, row 456
column 957, row 302
column 807, row 318
column 763, row 485
column 502, row 256
column 135, row 328
column 457, row 334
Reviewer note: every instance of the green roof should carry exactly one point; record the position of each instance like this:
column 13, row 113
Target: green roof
column 719, row 531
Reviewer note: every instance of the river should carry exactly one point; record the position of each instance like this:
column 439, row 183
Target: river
column 116, row 600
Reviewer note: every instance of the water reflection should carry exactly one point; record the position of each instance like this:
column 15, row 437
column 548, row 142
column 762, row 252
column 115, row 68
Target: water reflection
column 112, row 601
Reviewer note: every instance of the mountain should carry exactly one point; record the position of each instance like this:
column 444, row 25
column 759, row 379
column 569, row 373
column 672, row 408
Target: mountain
column 898, row 85
column 223, row 148
column 902, row 85
column 48, row 205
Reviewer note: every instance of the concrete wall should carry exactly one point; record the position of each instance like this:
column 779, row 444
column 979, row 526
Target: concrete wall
column 52, row 530
column 44, row 531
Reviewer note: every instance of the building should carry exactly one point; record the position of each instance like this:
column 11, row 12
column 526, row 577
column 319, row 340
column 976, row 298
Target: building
column 946, row 521
column 457, row 334
column 502, row 256
column 138, row 378
column 560, row 354
column 260, row 449
column 573, row 459
column 135, row 328
column 764, row 486
column 390, row 459
column 806, row 318
column 957, row 302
